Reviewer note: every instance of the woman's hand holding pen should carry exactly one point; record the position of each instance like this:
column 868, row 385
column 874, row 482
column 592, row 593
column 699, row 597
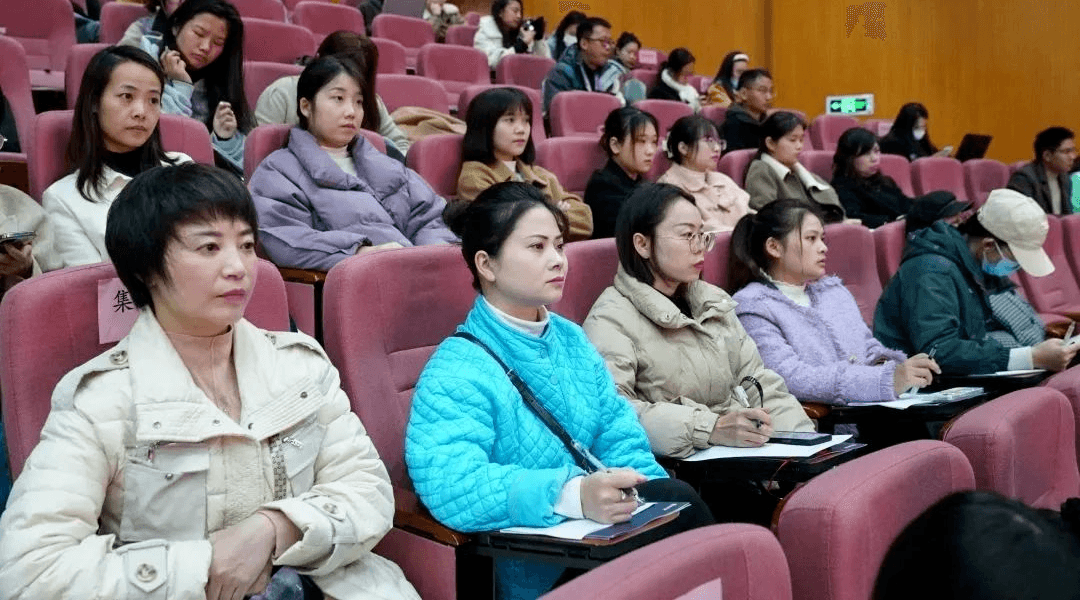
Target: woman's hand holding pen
column 604, row 498
column 747, row 427
column 915, row 372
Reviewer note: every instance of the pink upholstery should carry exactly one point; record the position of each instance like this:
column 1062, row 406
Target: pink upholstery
column 472, row 18
column 58, row 311
column 647, row 76
column 818, row 162
column 264, row 139
column 1022, row 445
column 455, row 67
column 258, row 75
column 827, row 129
column 428, row 565
column 938, row 173
column 666, row 113
column 461, row 35
column 46, row 30
column 411, row 32
column 528, row 70
column 15, row 82
column 472, row 91
column 836, row 529
column 412, row 90
column 734, row 164
column 592, row 267
column 392, row 58
column 572, row 159
column 290, row 5
column 77, row 61
column 849, row 259
column 879, row 127
column 1016, row 166
column 714, row 113
column 1068, row 383
column 272, row 10
column 650, row 58
column 1070, row 226
column 275, row 41
column 53, row 128
column 745, row 560
column 322, row 18
column 899, row 169
column 700, row 83
column 575, row 112
column 1058, row 292
column 716, row 262
column 889, row 242
column 437, row 158
column 115, row 19
column 982, row 175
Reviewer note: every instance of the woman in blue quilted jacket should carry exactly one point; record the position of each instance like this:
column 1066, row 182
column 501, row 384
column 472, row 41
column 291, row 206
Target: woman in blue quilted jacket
column 479, row 456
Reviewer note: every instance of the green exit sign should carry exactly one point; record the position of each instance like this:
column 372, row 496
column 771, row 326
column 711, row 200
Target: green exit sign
column 855, row 104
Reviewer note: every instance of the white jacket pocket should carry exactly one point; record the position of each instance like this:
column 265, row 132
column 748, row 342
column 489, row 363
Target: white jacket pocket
column 165, row 493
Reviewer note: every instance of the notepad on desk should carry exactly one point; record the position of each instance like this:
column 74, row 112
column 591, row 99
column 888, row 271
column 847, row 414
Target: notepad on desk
column 766, row 451
column 943, row 397
column 587, row 529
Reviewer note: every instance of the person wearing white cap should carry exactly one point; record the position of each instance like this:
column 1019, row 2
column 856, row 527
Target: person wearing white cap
column 952, row 294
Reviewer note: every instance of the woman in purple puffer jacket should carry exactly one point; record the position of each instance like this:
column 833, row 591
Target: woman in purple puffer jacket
column 807, row 326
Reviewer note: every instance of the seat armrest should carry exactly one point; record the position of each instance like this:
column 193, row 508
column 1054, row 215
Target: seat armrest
column 411, row 515
column 309, row 276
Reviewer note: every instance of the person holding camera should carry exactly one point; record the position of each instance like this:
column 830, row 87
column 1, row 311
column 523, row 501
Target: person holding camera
column 505, row 32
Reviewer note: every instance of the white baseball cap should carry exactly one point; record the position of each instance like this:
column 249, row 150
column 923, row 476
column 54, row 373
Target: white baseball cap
column 1021, row 223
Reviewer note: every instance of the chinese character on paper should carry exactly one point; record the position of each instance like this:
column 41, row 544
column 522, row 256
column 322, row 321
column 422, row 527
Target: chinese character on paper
column 122, row 301
column 873, row 17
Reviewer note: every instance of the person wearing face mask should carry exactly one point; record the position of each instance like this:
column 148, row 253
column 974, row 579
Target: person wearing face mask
column 952, row 293
column 629, row 140
column 908, row 136
column 1046, row 179
column 753, row 98
column 565, row 35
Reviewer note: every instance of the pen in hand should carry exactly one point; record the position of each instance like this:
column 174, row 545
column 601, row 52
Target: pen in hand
column 914, row 389
column 744, row 400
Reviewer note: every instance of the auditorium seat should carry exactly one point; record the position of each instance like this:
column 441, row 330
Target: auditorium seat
column 1021, row 445
column 271, row 10
column 650, row 58
column 735, row 163
column 591, row 267
column 849, row 258
column 472, row 18
column 258, row 76
column 1016, row 166
column 899, row 168
column 274, row 41
column 412, row 90
column 647, row 76
column 77, row 61
column 666, row 113
column 889, row 242
column 739, row 560
column 1068, row 383
column 411, row 32
column 572, row 159
column 455, row 67
column 836, row 529
column 1059, row 292
column 934, row 173
column 981, row 175
column 716, row 262
column 714, row 113
column 580, row 113
column 1070, row 227
column 818, row 162
column 879, row 127
column 46, row 30
column 15, row 82
column 290, row 5
column 265, row 139
column 392, row 57
column 437, row 158
column 523, row 69
column 472, row 91
column 323, row 18
column 461, row 35
column 826, row 130
column 116, row 17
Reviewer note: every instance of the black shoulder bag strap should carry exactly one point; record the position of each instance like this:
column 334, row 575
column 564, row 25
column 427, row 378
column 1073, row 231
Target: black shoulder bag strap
column 581, row 454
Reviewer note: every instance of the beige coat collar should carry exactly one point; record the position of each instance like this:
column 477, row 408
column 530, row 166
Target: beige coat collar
column 706, row 302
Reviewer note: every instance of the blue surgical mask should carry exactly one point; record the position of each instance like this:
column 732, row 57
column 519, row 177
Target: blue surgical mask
column 1002, row 268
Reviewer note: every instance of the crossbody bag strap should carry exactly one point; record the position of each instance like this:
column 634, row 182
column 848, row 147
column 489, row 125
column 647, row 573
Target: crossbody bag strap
column 581, row 454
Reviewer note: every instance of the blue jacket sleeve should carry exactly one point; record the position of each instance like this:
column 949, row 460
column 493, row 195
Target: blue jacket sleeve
column 231, row 149
column 177, row 98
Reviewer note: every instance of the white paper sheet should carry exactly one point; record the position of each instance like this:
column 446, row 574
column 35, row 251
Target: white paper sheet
column 766, row 451
column 573, row 529
column 1011, row 373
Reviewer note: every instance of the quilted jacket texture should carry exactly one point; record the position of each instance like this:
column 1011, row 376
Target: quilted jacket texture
column 478, row 456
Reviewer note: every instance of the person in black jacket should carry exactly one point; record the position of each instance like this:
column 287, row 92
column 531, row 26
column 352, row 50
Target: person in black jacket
column 630, row 140
column 673, row 83
column 742, row 125
column 866, row 193
column 1046, row 179
column 908, row 136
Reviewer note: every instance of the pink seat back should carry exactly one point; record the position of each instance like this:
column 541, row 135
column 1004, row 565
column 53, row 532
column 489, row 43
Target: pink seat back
column 392, row 57
column 933, row 173
column 116, row 17
column 412, row 90
column 271, row 10
column 716, row 262
column 410, row 32
column 1070, row 228
column 455, row 67
column 437, row 158
column 1016, row 166
column 472, row 18
column 666, row 113
column 827, row 129
column 572, row 159
column 836, row 529
column 77, row 61
column 473, row 91
column 1068, row 383
column 849, row 259
column 575, row 112
column 647, row 76
column 527, row 70
column 714, row 113
column 15, row 83
column 796, row 111
column 276, row 41
column 1058, row 292
column 981, row 175
column 322, row 18
column 58, row 311
column 889, row 242
column 734, row 164
column 380, row 336
column 462, row 35
column 264, row 139
column 53, row 129
column 818, row 162
column 899, row 169
column 1021, row 445
column 744, row 560
column 258, row 75
column 650, row 58
column 290, row 5
column 879, row 127
column 592, row 268
column 45, row 28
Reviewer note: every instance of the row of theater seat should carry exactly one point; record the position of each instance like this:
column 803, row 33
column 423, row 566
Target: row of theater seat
column 834, row 531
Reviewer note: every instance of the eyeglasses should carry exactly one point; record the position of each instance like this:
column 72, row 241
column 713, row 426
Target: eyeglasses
column 713, row 143
column 702, row 241
column 605, row 42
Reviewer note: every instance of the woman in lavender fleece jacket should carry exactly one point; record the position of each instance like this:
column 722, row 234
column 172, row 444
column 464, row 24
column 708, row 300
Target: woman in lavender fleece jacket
column 806, row 325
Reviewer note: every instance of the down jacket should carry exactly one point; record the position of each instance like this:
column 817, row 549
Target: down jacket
column 824, row 352
column 480, row 458
column 136, row 467
column 313, row 215
column 680, row 372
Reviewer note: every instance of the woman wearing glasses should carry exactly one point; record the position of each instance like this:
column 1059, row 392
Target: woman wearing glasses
column 693, row 147
column 673, row 342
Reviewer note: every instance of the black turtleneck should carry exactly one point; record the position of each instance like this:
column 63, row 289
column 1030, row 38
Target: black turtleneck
column 128, row 163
